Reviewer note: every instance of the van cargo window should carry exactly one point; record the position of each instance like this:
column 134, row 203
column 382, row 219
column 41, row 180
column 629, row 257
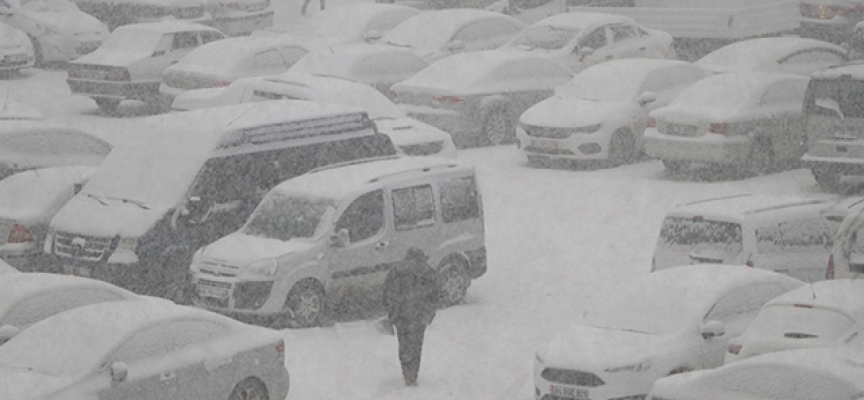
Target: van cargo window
column 795, row 235
column 847, row 93
column 413, row 207
column 459, row 200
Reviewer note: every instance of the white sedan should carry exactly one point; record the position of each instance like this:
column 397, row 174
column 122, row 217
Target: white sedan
column 16, row 50
column 791, row 55
column 578, row 40
column 58, row 29
column 434, row 35
column 130, row 349
column 671, row 321
column 823, row 314
column 601, row 113
column 411, row 137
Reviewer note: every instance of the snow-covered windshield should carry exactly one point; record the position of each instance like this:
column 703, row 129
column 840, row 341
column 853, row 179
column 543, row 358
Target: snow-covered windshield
column 684, row 241
column 597, row 84
column 646, row 309
column 725, row 93
column 130, row 39
column 285, row 217
column 544, row 37
column 48, row 6
column 786, row 321
column 418, row 33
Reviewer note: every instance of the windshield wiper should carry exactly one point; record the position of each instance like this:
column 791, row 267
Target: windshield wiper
column 92, row 196
column 129, row 201
column 399, row 44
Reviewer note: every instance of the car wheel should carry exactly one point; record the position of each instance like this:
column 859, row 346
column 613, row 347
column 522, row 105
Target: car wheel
column 454, row 282
column 675, row 166
column 304, row 306
column 761, row 158
column 107, row 106
column 250, row 389
column 159, row 104
column 497, row 128
column 827, row 178
column 539, row 162
column 622, row 148
column 39, row 59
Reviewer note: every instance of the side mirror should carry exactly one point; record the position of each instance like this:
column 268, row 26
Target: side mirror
column 456, row 45
column 340, row 238
column 585, row 52
column 8, row 332
column 647, row 98
column 712, row 329
column 372, row 36
column 119, row 371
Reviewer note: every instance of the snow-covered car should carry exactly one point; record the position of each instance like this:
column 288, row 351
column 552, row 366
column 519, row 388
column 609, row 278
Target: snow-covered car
column 791, row 235
column 668, row 322
column 353, row 23
column 26, row 299
column 579, row 39
column 434, row 35
column 28, row 201
column 59, row 31
column 824, row 374
column 130, row 63
column 831, row 20
column 376, row 66
column 529, row 11
column 16, row 50
column 411, row 137
column 602, row 112
column 792, row 55
column 31, row 143
column 219, row 63
column 143, row 349
column 749, row 121
column 479, row 96
column 236, row 17
column 5, row 268
column 823, row 314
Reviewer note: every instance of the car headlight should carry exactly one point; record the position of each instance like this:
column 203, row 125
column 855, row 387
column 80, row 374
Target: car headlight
column 128, row 243
column 262, row 268
column 637, row 367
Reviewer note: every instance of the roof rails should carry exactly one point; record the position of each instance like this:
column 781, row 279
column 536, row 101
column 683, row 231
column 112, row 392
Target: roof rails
column 427, row 168
column 353, row 162
column 297, row 129
column 734, row 196
column 784, row 206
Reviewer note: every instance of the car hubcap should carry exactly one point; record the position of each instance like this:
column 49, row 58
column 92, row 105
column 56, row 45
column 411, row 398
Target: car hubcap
column 308, row 306
column 454, row 285
column 497, row 128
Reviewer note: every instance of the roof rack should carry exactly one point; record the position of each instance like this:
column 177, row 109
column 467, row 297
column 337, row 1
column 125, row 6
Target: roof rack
column 784, row 206
column 427, row 168
column 734, row 196
column 353, row 162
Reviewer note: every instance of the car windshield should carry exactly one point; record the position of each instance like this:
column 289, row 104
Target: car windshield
column 684, row 241
column 801, row 322
column 544, row 37
column 418, row 33
column 594, row 84
column 285, row 217
column 125, row 40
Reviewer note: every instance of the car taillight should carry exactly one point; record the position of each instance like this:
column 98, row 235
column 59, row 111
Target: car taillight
column 734, row 348
column 749, row 263
column 829, row 270
column 448, row 99
column 280, row 348
column 652, row 123
column 719, row 128
column 20, row 234
column 118, row 75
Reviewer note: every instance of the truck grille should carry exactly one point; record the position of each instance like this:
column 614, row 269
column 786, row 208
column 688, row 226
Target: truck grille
column 90, row 248
column 680, row 130
column 571, row 377
column 547, row 133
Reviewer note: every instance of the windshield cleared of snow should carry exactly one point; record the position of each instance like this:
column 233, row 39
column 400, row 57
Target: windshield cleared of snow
column 285, row 217
column 544, row 37
column 786, row 321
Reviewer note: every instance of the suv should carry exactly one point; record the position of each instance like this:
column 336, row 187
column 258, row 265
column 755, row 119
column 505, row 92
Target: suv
column 790, row 235
column 183, row 180
column 334, row 234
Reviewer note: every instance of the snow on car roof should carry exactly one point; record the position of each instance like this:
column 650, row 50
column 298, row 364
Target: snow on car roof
column 452, row 19
column 333, row 89
column 741, row 207
column 753, row 53
column 349, row 19
column 27, row 195
column 627, row 73
column 709, row 280
column 842, row 362
column 228, row 53
column 581, row 20
column 15, row 287
column 341, row 60
column 337, row 181
column 846, row 295
column 167, row 26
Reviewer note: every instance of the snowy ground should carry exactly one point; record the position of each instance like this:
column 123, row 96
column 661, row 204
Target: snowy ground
column 557, row 240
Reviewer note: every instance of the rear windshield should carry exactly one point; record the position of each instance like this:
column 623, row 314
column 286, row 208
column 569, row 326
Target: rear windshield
column 694, row 239
column 790, row 322
column 835, row 98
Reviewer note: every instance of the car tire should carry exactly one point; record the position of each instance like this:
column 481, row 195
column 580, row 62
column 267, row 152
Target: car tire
column 497, row 128
column 250, row 389
column 622, row 148
column 159, row 103
column 107, row 106
column 761, row 158
column 539, row 162
column 675, row 166
column 827, row 178
column 39, row 59
column 454, row 282
column 303, row 307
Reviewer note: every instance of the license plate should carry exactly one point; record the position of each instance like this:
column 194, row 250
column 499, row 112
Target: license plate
column 214, row 292
column 570, row 392
column 544, row 144
column 76, row 271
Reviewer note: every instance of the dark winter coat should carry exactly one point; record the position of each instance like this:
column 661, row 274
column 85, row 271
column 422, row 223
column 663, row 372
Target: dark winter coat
column 411, row 293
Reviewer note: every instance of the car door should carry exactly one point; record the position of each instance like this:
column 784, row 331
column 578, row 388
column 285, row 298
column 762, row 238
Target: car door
column 596, row 40
column 626, row 42
column 783, row 120
column 416, row 221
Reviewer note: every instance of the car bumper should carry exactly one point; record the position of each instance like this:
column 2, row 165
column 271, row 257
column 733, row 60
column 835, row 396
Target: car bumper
column 232, row 296
column 116, row 90
column 709, row 148
column 632, row 387
column 578, row 146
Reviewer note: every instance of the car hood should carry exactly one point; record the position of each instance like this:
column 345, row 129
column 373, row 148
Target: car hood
column 88, row 216
column 113, row 58
column 408, row 131
column 558, row 112
column 240, row 249
column 28, row 385
column 71, row 23
column 201, row 98
column 592, row 348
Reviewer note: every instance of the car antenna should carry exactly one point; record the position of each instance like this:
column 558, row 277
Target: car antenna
column 242, row 114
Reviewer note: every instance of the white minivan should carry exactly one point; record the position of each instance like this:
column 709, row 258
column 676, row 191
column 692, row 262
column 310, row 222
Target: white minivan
column 179, row 181
column 329, row 238
column 786, row 234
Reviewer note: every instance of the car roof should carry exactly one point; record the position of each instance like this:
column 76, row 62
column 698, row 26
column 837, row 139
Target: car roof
column 846, row 363
column 748, row 206
column 753, row 52
column 582, row 20
column 711, row 280
column 846, row 295
column 168, row 26
column 342, row 179
column 451, row 19
column 634, row 70
column 16, row 287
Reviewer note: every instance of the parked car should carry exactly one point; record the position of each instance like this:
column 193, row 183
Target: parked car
column 129, row 64
column 28, row 200
column 747, row 121
column 791, row 55
column 411, row 137
column 126, row 349
column 601, row 113
column 578, row 40
column 221, row 62
column 672, row 321
column 26, row 299
column 59, row 31
column 313, row 233
column 28, row 143
column 834, row 121
column 16, row 50
column 829, row 19
column 376, row 66
column 479, row 96
column 434, row 35
column 785, row 234
column 531, row 11
column 825, row 314
column 848, row 250
column 354, row 23
column 183, row 180
column 825, row 374
column 6, row 268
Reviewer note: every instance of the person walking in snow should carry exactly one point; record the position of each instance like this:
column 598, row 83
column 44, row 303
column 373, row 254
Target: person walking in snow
column 411, row 296
column 306, row 4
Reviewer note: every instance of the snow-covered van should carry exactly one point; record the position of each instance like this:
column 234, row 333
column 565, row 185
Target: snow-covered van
column 786, row 234
column 179, row 181
column 331, row 236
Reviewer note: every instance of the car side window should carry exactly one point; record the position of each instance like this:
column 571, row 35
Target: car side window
column 795, row 235
column 485, row 30
column 743, row 302
column 413, row 207
column 269, row 60
column 783, row 93
column 459, row 199
column 44, row 305
column 622, row 32
column 185, row 40
column 364, row 218
column 594, row 40
column 819, row 56
column 208, row 36
column 164, row 338
column 164, row 44
column 290, row 55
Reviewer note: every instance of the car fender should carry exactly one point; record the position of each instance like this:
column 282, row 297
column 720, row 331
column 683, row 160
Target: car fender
column 311, row 269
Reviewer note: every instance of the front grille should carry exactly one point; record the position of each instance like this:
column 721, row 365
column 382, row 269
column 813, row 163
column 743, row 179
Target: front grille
column 547, row 133
column 14, row 59
column 215, row 284
column 570, row 377
column 90, row 248
column 680, row 130
column 423, row 149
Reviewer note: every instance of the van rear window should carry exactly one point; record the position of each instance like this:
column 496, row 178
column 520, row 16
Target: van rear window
column 691, row 240
column 846, row 94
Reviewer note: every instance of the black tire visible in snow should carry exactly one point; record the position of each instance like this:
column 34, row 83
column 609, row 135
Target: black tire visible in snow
column 107, row 106
column 250, row 389
column 454, row 283
column 826, row 178
column 497, row 128
column 622, row 148
column 303, row 307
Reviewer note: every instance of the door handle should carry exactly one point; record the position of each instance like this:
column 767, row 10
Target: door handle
column 167, row 377
column 381, row 246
